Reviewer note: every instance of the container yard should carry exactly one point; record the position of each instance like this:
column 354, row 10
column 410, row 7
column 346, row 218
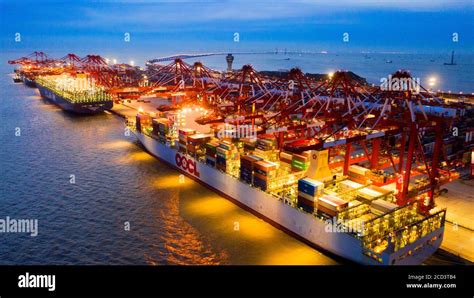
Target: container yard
column 349, row 167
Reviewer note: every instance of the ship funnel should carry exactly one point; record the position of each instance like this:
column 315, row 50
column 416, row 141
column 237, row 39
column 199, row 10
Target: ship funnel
column 319, row 166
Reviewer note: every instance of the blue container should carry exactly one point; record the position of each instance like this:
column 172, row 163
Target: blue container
column 261, row 172
column 210, row 162
column 246, row 170
column 245, row 176
column 307, row 187
column 220, row 160
column 260, row 183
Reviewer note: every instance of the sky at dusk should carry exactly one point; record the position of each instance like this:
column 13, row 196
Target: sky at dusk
column 423, row 26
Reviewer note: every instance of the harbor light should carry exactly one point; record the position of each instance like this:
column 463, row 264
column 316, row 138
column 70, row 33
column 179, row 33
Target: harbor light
column 114, row 61
column 107, row 60
column 330, row 75
column 432, row 81
column 132, row 63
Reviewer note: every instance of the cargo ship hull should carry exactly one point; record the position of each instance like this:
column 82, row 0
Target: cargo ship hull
column 305, row 226
column 79, row 108
column 28, row 82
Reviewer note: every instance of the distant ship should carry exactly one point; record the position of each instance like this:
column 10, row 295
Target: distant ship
column 452, row 60
column 90, row 100
column 388, row 61
column 17, row 78
column 30, row 82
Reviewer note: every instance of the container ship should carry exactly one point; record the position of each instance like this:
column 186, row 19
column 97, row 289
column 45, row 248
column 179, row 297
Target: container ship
column 345, row 166
column 17, row 78
column 30, row 82
column 74, row 94
column 345, row 215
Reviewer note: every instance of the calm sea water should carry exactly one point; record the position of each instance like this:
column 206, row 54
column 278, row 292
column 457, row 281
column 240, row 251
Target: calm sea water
column 116, row 182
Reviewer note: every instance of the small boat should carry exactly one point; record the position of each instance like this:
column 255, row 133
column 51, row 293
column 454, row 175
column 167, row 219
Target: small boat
column 388, row 61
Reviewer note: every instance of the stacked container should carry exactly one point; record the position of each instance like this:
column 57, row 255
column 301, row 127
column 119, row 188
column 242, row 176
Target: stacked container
column 308, row 192
column 331, row 205
column 227, row 158
column 348, row 185
column 377, row 177
column 183, row 135
column 285, row 161
column 175, row 122
column 249, row 144
column 300, row 162
column 358, row 173
column 161, row 128
column 380, row 207
column 264, row 173
column 247, row 163
column 266, row 149
column 195, row 144
column 143, row 123
column 370, row 193
column 211, row 153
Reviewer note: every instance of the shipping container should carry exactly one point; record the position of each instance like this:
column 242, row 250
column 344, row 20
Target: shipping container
column 368, row 193
column 248, row 161
column 307, row 196
column 286, row 157
column 307, row 205
column 259, row 183
column 379, row 207
column 310, row 186
column 198, row 139
column 186, row 131
column 331, row 205
column 358, row 170
column 348, row 185
column 226, row 145
column 211, row 161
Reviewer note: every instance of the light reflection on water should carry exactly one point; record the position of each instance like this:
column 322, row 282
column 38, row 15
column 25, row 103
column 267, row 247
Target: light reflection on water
column 116, row 182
